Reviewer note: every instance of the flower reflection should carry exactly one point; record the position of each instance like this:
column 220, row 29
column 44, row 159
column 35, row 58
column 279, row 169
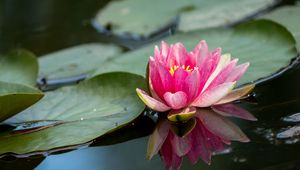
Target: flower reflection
column 196, row 138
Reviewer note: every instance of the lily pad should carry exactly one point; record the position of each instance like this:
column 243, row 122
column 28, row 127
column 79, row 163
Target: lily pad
column 84, row 112
column 143, row 17
column 289, row 17
column 18, row 72
column 256, row 42
column 74, row 61
column 221, row 13
column 19, row 66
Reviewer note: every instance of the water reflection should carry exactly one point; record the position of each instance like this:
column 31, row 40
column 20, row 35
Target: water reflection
column 260, row 153
column 46, row 26
column 127, row 155
column 207, row 133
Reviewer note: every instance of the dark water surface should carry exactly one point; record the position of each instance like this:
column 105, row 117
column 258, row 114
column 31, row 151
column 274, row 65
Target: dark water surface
column 43, row 26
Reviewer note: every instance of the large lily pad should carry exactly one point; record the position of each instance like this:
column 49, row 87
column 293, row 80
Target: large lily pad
column 74, row 61
column 289, row 17
column 256, row 42
column 78, row 114
column 143, row 17
column 18, row 72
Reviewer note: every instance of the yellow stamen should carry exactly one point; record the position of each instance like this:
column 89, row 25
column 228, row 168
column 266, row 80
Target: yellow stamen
column 175, row 67
column 188, row 69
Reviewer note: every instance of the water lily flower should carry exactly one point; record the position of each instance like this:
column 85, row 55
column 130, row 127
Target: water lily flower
column 181, row 81
column 200, row 138
column 196, row 88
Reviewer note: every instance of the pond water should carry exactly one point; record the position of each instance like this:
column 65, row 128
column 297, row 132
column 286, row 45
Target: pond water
column 47, row 25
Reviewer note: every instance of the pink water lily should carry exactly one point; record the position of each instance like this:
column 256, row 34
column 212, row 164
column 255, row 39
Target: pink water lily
column 208, row 135
column 199, row 86
column 181, row 81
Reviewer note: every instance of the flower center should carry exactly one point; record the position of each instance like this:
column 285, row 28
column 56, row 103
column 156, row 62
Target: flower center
column 175, row 67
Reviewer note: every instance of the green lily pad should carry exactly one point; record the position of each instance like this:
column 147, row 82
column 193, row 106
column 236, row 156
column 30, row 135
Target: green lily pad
column 79, row 114
column 19, row 66
column 143, row 17
column 220, row 13
column 18, row 72
column 289, row 17
column 74, row 61
column 256, row 42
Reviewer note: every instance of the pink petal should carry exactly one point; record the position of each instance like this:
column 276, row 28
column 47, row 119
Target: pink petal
column 208, row 66
column 171, row 60
column 157, row 138
column 222, row 76
column 236, row 94
column 191, row 85
column 170, row 158
column 201, row 52
column 151, row 102
column 164, row 49
column 180, row 54
column 166, row 153
column 232, row 110
column 199, row 146
column 181, row 145
column 213, row 95
column 224, row 60
column 155, row 79
column 176, row 100
column 166, row 77
column 221, row 126
column 179, row 79
column 227, row 142
column 152, row 91
column 213, row 60
column 217, row 52
column 213, row 142
column 237, row 72
column 157, row 55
